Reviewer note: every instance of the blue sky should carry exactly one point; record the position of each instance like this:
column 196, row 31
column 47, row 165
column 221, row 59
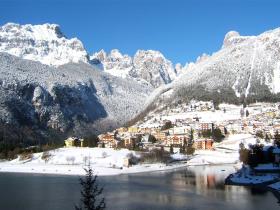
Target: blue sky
column 181, row 29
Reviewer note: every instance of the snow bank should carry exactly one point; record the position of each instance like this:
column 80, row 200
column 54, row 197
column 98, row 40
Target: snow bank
column 246, row 177
column 106, row 161
column 267, row 167
column 205, row 157
column 72, row 161
column 233, row 141
column 275, row 186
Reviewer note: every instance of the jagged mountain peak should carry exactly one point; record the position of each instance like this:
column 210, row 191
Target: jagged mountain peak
column 229, row 36
column 245, row 67
column 47, row 44
column 233, row 38
column 115, row 53
column 180, row 69
column 98, row 57
column 149, row 54
column 44, row 43
column 153, row 67
column 114, row 62
column 148, row 66
column 202, row 57
column 45, row 31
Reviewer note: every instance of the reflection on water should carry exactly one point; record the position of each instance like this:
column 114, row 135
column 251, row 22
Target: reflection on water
column 192, row 188
column 195, row 188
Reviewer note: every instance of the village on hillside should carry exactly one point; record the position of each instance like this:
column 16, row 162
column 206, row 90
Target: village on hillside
column 193, row 126
column 185, row 135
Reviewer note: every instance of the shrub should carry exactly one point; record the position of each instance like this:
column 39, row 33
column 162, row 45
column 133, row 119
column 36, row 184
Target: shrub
column 190, row 150
column 133, row 160
column 244, row 155
column 155, row 156
column 91, row 141
column 206, row 133
column 260, row 134
column 26, row 156
column 11, row 155
column 46, row 156
column 167, row 125
column 217, row 135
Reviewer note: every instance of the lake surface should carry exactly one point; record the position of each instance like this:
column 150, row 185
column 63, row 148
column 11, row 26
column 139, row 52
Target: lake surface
column 189, row 189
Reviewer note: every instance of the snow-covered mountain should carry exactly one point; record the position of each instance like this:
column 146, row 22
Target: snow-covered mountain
column 72, row 99
column 113, row 63
column 180, row 69
column 71, row 94
column 47, row 44
column 44, row 43
column 245, row 66
column 146, row 66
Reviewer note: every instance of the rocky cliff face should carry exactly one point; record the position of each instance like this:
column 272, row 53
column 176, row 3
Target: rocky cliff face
column 72, row 99
column 47, row 44
column 147, row 66
column 44, row 43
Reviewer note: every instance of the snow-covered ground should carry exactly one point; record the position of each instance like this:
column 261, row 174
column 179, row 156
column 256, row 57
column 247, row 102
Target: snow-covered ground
column 207, row 116
column 105, row 161
column 204, row 116
column 232, row 141
column 267, row 167
column 245, row 177
column 206, row 157
column 79, row 169
column 253, row 180
column 72, row 161
column 275, row 186
column 231, row 113
column 225, row 152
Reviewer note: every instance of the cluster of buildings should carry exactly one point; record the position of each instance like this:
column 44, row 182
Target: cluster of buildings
column 179, row 133
column 173, row 138
column 255, row 119
column 264, row 124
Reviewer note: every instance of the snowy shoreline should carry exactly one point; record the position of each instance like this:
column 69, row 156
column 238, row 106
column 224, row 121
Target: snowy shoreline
column 244, row 177
column 106, row 162
column 142, row 168
column 72, row 170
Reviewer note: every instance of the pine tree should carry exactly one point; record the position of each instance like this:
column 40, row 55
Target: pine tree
column 277, row 139
column 191, row 137
column 91, row 193
column 225, row 131
column 171, row 149
column 267, row 139
column 217, row 135
column 243, row 154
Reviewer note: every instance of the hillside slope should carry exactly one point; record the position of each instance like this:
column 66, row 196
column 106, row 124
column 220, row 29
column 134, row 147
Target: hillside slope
column 245, row 67
column 72, row 99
